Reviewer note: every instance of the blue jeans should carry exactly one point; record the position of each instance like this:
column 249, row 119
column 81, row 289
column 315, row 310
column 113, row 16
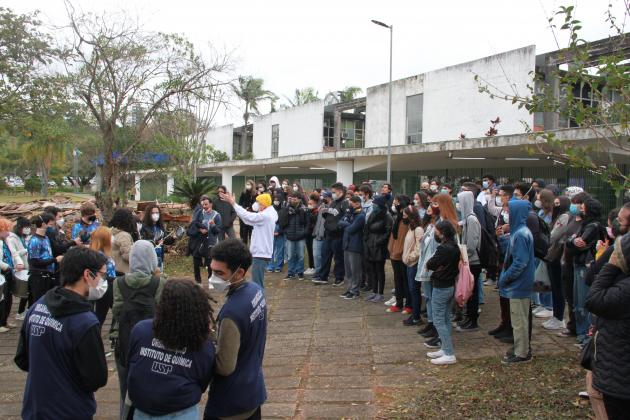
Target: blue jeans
column 190, row 413
column 482, row 296
column 295, row 251
column 332, row 248
column 427, row 290
column 414, row 290
column 277, row 261
column 317, row 254
column 258, row 271
column 580, row 292
column 442, row 303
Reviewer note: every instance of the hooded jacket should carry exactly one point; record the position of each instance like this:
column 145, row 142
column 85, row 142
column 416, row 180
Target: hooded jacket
column 121, row 246
column 376, row 233
column 142, row 264
column 517, row 278
column 331, row 220
column 609, row 298
column 60, row 347
column 352, row 224
column 293, row 222
column 471, row 232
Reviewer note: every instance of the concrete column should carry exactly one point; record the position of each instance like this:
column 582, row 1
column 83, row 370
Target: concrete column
column 226, row 178
column 136, row 187
column 170, row 184
column 337, row 130
column 345, row 171
column 551, row 119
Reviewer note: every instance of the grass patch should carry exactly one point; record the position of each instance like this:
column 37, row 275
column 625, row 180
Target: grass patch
column 547, row 388
column 178, row 266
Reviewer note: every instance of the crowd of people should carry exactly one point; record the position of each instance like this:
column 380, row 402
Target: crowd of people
column 544, row 249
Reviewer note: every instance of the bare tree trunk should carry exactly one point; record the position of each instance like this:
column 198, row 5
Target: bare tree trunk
column 44, row 179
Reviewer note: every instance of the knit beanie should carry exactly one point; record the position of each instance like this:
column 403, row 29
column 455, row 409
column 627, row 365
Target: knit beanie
column 264, row 199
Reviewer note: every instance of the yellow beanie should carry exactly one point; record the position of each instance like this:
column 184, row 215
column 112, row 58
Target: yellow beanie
column 264, row 199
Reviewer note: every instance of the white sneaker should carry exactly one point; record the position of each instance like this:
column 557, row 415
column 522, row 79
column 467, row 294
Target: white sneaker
column 391, row 302
column 4, row 329
column 444, row 360
column 537, row 309
column 20, row 317
column 435, row 354
column 490, row 283
column 544, row 313
column 309, row 272
column 553, row 324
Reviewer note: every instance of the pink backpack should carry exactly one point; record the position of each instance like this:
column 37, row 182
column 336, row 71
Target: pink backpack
column 465, row 280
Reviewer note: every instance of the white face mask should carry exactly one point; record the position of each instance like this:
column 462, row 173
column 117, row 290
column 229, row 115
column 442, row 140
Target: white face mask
column 295, row 188
column 458, row 207
column 498, row 201
column 61, row 222
column 219, row 284
column 138, row 226
column 248, row 187
column 155, row 217
column 433, row 187
column 276, row 203
column 394, row 208
column 506, row 217
column 26, row 231
column 256, row 207
column 538, row 204
column 334, row 196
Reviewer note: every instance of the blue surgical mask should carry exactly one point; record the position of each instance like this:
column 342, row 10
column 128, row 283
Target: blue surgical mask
column 573, row 209
column 422, row 212
column 50, row 230
column 485, row 184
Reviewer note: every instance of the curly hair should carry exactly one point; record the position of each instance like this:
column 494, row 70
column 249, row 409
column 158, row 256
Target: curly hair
column 123, row 219
column 184, row 316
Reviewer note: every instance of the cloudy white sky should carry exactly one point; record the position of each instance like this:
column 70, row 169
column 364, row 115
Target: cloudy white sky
column 330, row 44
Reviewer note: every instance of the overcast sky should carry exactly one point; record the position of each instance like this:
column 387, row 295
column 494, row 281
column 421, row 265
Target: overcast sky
column 332, row 44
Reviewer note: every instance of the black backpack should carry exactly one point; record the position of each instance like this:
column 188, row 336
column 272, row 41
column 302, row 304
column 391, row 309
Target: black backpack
column 488, row 250
column 542, row 239
column 138, row 305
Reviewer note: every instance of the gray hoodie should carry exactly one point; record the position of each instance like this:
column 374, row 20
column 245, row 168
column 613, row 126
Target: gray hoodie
column 471, row 228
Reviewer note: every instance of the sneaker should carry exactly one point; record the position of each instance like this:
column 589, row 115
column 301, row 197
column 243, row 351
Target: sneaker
column 270, row 270
column 309, row 272
column 583, row 394
column 432, row 333
column 393, row 308
column 514, row 359
column 277, row 270
column 566, row 333
column 410, row 322
column 536, row 309
column 505, row 333
column 433, row 343
column 426, row 328
column 289, row 277
column 553, row 323
column 345, row 294
column 319, row 281
column 4, row 329
column 435, row 354
column 391, row 302
column 471, row 326
column 490, row 282
column 457, row 318
column 509, row 339
column 20, row 317
column 370, row 297
column 444, row 360
column 544, row 313
column 378, row 298
column 407, row 310
column 366, row 288
column 497, row 330
column 338, row 282
column 351, row 296
column 463, row 322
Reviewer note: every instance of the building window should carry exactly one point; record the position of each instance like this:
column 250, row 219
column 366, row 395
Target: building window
column 275, row 139
column 414, row 119
column 329, row 132
column 352, row 134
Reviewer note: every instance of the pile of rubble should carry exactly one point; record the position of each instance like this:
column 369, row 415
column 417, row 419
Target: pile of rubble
column 12, row 211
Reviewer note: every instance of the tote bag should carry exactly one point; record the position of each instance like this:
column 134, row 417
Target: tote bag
column 465, row 281
column 542, row 282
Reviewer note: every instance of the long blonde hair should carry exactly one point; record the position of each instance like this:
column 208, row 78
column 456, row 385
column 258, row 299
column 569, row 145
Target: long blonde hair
column 102, row 240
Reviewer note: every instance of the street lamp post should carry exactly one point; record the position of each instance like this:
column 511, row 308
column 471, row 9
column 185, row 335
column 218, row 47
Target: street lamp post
column 389, row 117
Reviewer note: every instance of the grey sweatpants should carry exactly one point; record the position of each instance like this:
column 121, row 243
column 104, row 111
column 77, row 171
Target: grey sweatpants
column 353, row 262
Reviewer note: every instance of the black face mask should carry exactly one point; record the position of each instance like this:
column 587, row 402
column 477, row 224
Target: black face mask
column 92, row 218
column 437, row 239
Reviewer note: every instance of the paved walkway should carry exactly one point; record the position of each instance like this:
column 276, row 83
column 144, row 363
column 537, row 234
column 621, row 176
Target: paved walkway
column 325, row 357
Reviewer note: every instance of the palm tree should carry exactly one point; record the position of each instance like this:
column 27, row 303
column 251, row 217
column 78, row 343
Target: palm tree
column 346, row 95
column 192, row 191
column 251, row 91
column 303, row 96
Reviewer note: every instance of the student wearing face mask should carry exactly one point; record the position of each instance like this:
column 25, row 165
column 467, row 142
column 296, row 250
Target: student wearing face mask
column 103, row 295
column 421, row 203
column 319, row 234
column 41, row 261
column 124, row 234
column 376, row 232
column 242, row 334
column 488, row 184
column 18, row 244
column 434, row 186
column 273, row 185
column 228, row 215
column 247, row 200
column 293, row 222
column 279, row 240
column 7, row 267
column 86, row 225
column 202, row 233
column 395, row 247
column 153, row 231
column 312, row 214
column 60, row 344
column 58, row 241
column 334, row 236
column 263, row 220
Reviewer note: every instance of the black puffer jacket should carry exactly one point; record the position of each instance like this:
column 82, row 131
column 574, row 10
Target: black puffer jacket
column 293, row 222
column 590, row 232
column 331, row 221
column 376, row 233
column 609, row 300
column 444, row 264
